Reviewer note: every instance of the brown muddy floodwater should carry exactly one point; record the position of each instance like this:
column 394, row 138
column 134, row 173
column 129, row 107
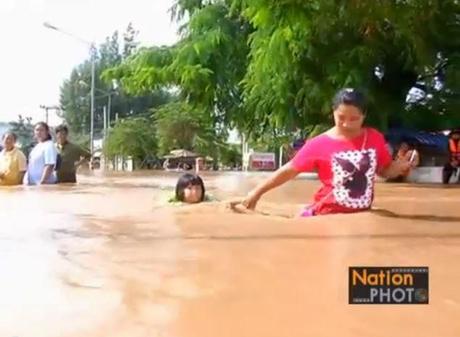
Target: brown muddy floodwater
column 108, row 257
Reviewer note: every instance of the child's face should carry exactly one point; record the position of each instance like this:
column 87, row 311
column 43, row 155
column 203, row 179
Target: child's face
column 193, row 194
column 348, row 117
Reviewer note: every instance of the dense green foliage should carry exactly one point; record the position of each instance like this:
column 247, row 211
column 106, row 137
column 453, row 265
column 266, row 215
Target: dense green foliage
column 269, row 66
column 182, row 126
column 303, row 51
column 132, row 136
column 206, row 65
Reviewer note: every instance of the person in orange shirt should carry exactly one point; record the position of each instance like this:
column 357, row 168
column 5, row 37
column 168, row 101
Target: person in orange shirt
column 13, row 163
column 454, row 157
column 408, row 154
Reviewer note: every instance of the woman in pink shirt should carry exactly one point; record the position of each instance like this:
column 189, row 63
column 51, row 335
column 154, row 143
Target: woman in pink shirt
column 347, row 157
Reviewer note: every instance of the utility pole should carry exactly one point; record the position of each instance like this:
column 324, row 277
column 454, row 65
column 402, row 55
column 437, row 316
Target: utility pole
column 93, row 70
column 93, row 54
column 105, row 123
column 47, row 108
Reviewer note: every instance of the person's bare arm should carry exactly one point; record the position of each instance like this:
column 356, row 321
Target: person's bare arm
column 395, row 169
column 47, row 171
column 80, row 162
column 85, row 156
column 279, row 177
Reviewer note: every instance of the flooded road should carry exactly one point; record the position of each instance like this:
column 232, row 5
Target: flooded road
column 109, row 257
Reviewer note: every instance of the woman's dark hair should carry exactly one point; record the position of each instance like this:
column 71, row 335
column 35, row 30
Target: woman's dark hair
column 62, row 128
column 47, row 128
column 350, row 96
column 185, row 181
column 15, row 137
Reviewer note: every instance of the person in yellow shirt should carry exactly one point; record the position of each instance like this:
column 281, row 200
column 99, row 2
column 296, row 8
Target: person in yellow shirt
column 13, row 163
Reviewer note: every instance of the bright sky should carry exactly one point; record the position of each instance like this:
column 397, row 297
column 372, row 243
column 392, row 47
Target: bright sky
column 34, row 60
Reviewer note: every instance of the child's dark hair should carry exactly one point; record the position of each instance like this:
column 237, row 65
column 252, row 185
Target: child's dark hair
column 350, row 96
column 187, row 180
column 47, row 129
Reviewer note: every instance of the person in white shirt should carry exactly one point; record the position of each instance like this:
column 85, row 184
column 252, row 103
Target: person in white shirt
column 42, row 158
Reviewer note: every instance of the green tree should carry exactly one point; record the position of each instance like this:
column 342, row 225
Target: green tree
column 133, row 137
column 205, row 69
column 75, row 91
column 231, row 155
column 207, row 64
column 129, row 41
column 303, row 51
column 269, row 66
column 182, row 126
column 437, row 106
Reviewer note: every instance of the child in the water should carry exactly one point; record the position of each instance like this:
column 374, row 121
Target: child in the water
column 190, row 189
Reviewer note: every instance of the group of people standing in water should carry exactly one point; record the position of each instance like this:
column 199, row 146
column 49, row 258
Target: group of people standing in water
column 48, row 162
column 348, row 158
